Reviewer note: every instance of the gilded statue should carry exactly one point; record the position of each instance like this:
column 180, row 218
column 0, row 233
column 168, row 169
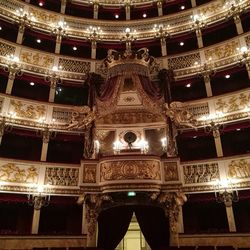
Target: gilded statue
column 179, row 114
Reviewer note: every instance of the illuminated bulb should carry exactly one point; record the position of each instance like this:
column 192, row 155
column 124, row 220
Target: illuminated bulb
column 131, row 194
column 54, row 68
column 74, row 48
column 144, row 15
column 243, row 49
column 40, row 189
column 32, row 83
column 188, row 85
column 182, row 7
column 38, row 40
column 116, row 16
column 227, row 76
column 181, row 43
column 40, row 4
column 127, row 30
column 0, row 28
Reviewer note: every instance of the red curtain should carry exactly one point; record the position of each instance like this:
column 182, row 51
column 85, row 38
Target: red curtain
column 113, row 224
column 154, row 226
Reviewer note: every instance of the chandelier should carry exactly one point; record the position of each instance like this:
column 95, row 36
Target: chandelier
column 39, row 197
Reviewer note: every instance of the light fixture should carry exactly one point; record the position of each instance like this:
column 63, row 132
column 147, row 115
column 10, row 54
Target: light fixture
column 94, row 34
column 164, row 144
column 40, row 4
column 181, row 43
column 53, row 76
column 116, row 16
column 144, row 15
column 74, row 48
column 131, row 194
column 128, row 37
column 161, row 31
column 32, row 83
column 214, row 128
column 188, row 85
column 38, row 40
column 182, row 7
column 13, row 66
column 238, row 129
column 227, row 76
column 225, row 192
column 39, row 197
column 0, row 28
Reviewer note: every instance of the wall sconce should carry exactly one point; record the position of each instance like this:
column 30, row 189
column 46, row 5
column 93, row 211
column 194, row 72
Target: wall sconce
column 205, row 70
column 25, row 19
column 39, row 197
column 233, row 8
column 198, row 22
column 244, row 56
column 129, row 37
column 94, row 34
column 59, row 31
column 144, row 146
column 161, row 32
column 225, row 192
column 215, row 128
column 13, row 66
column 53, row 77
column 164, row 144
column 117, row 146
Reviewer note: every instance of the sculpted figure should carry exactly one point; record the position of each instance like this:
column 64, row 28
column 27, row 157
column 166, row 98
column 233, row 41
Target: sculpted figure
column 179, row 114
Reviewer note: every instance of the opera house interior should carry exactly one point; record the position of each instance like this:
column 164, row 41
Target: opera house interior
column 124, row 124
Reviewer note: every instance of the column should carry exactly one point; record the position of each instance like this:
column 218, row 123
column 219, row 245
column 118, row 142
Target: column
column 35, row 221
column 91, row 220
column 230, row 218
column 208, row 85
column 163, row 47
column 180, row 221
column 159, row 7
column 63, row 6
column 46, row 137
column 96, row 8
column 199, row 37
column 217, row 141
column 238, row 24
column 84, row 224
column 10, row 83
column 193, row 3
column 127, row 10
column 52, row 91
column 58, row 44
column 21, row 30
column 93, row 49
column 248, row 69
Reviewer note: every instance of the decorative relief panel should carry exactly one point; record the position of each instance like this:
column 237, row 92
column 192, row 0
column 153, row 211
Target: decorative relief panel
column 26, row 110
column 239, row 168
column 131, row 117
column 130, row 170
column 6, row 49
column 89, row 173
column 200, row 173
column 222, row 51
column 198, row 110
column 61, row 115
column 171, row 171
column 74, row 65
column 233, row 103
column 184, row 61
column 11, row 5
column 38, row 59
column 11, row 172
column 44, row 16
column 59, row 176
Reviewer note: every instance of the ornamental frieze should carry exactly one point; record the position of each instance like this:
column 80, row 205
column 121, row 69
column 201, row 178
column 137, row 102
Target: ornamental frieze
column 89, row 173
column 130, row 170
column 11, row 172
column 25, row 110
column 239, row 168
column 6, row 49
column 44, row 16
column 59, row 176
column 200, row 173
column 35, row 58
column 222, row 51
column 233, row 103
column 130, row 117
column 171, row 171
